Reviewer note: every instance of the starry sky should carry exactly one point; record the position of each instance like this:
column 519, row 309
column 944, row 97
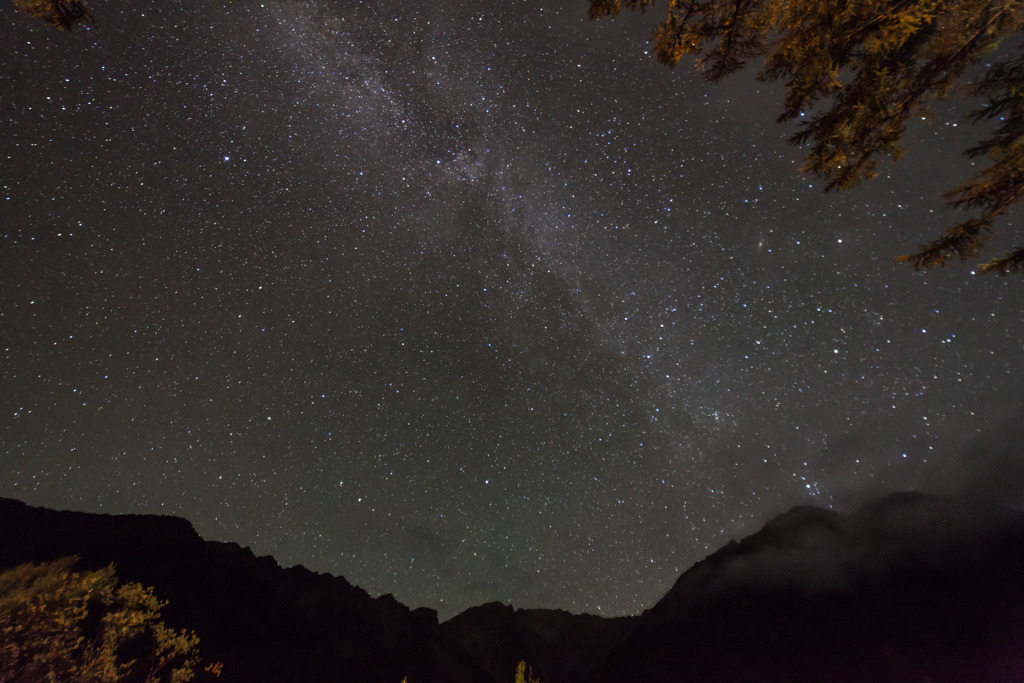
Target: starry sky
column 467, row 301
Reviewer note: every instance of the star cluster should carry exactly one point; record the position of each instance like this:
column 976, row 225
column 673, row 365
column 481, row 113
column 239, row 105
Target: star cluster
column 466, row 302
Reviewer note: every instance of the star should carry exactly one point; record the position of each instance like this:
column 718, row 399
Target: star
column 482, row 293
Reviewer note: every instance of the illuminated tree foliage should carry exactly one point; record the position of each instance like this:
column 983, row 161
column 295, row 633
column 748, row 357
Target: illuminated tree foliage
column 57, row 624
column 524, row 676
column 856, row 71
column 63, row 14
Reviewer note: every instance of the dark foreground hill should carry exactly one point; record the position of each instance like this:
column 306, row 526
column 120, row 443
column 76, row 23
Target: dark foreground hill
column 263, row 622
column 910, row 588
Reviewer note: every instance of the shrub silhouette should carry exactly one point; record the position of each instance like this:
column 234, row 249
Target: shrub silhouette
column 522, row 676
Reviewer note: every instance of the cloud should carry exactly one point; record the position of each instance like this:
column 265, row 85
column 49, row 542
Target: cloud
column 820, row 550
column 991, row 467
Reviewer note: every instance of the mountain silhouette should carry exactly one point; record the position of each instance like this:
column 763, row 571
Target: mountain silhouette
column 908, row 588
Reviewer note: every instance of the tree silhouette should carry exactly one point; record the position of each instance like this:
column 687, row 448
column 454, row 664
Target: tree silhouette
column 855, row 71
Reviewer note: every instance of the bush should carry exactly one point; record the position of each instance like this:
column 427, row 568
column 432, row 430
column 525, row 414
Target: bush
column 57, row 624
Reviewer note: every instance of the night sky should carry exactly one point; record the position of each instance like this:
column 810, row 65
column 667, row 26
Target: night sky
column 470, row 301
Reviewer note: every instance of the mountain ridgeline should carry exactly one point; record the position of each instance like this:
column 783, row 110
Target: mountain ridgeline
column 908, row 588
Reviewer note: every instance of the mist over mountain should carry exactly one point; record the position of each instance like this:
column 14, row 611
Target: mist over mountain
column 907, row 588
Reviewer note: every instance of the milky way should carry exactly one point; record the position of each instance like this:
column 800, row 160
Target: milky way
column 465, row 303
